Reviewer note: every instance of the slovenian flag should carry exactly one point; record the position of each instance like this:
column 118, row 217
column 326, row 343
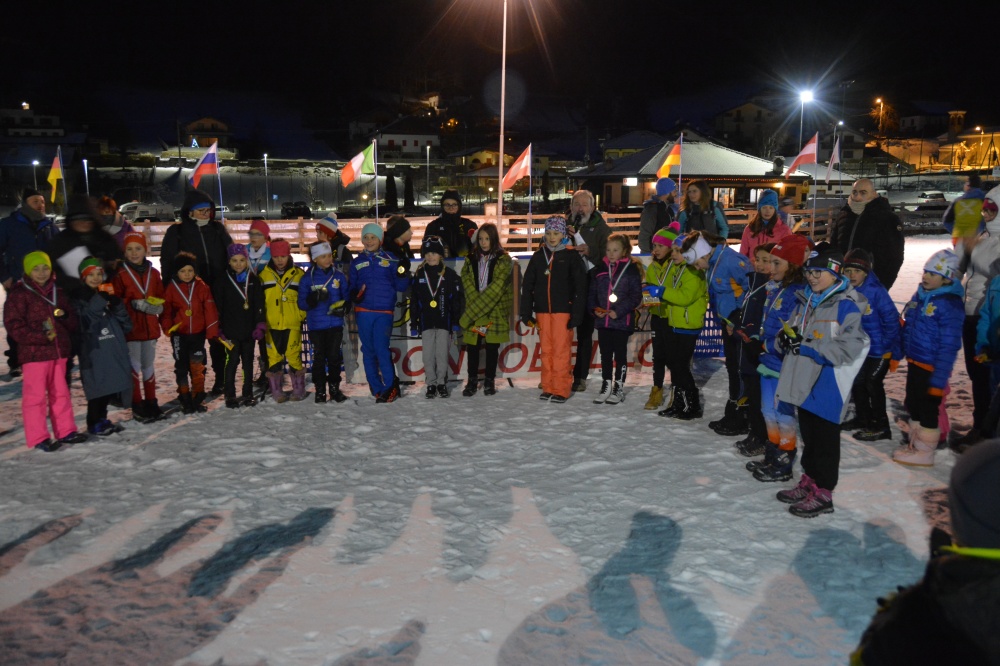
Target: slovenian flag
column 208, row 164
column 807, row 156
column 518, row 170
column 363, row 162
column 55, row 173
column 673, row 159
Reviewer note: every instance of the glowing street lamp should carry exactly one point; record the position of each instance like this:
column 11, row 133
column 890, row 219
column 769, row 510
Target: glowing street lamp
column 881, row 105
column 34, row 172
column 804, row 96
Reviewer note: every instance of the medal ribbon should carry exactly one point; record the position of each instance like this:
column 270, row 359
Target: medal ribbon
column 484, row 271
column 437, row 288
column 55, row 296
column 611, row 271
column 143, row 288
column 243, row 292
column 187, row 299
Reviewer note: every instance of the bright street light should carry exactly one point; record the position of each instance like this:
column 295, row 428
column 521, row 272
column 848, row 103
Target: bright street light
column 881, row 105
column 34, row 172
column 804, row 96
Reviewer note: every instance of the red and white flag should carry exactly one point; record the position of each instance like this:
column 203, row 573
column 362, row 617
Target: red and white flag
column 807, row 156
column 518, row 170
column 208, row 164
column 834, row 159
column 363, row 162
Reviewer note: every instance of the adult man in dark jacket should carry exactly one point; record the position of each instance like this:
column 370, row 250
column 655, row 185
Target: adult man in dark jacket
column 868, row 222
column 454, row 230
column 200, row 234
column 25, row 230
column 657, row 213
column 585, row 220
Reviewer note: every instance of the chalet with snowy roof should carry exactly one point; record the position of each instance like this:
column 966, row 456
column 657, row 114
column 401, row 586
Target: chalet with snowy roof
column 736, row 177
column 407, row 137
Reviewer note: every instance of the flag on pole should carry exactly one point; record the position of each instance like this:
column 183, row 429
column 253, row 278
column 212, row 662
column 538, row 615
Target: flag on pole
column 673, row 159
column 518, row 170
column 834, row 159
column 55, row 173
column 807, row 156
column 363, row 162
column 208, row 164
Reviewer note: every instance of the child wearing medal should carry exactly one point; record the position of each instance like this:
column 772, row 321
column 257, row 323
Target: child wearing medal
column 283, row 341
column 322, row 295
column 105, row 368
column 259, row 255
column 435, row 307
column 189, row 318
column 555, row 290
column 376, row 277
column 615, row 293
column 38, row 317
column 656, row 276
column 239, row 295
column 139, row 285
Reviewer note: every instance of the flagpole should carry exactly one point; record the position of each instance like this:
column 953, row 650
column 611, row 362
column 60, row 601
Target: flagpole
column 375, row 165
column 680, row 167
column 503, row 97
column 218, row 177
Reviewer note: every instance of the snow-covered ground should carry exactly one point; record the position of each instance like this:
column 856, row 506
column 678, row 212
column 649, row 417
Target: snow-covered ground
column 483, row 530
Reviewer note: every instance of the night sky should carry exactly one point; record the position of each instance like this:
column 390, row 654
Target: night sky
column 593, row 51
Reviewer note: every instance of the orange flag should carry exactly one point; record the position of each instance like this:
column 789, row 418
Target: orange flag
column 673, row 159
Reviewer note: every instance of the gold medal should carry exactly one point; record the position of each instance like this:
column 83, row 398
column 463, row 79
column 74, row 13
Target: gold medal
column 246, row 306
column 433, row 304
column 284, row 298
column 58, row 312
column 613, row 298
column 188, row 313
column 548, row 272
column 400, row 270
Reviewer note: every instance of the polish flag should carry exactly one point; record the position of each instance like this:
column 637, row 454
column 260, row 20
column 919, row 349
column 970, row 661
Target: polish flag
column 208, row 164
column 363, row 162
column 518, row 170
column 807, row 156
column 673, row 159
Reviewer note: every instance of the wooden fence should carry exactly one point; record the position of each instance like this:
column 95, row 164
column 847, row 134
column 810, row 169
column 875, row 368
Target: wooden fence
column 518, row 233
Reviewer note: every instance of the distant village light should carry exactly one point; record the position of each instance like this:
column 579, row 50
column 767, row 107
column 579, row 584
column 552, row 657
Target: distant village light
column 25, row 106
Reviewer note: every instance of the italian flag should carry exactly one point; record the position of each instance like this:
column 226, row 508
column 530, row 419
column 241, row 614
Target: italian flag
column 363, row 162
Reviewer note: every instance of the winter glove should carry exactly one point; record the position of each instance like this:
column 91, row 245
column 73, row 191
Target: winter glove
column 456, row 329
column 528, row 321
column 359, row 295
column 337, row 309
column 259, row 331
column 312, row 300
column 789, row 340
column 143, row 306
column 982, row 357
column 414, row 332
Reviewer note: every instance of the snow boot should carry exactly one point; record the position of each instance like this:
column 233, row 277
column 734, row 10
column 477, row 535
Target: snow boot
column 274, row 381
column 47, row 445
column 298, row 385
column 73, row 438
column 819, row 501
column 139, row 412
column 770, row 453
column 728, row 417
column 739, row 424
column 617, row 393
column 336, row 394
column 779, row 470
column 184, row 397
column 471, row 387
column 872, row 434
column 672, row 399
column 920, row 451
column 750, row 447
column 655, row 398
column 692, row 405
column 798, row 493
column 489, row 386
column 198, row 402
column 580, row 386
column 443, row 391
column 432, row 392
column 606, row 388
column 854, row 423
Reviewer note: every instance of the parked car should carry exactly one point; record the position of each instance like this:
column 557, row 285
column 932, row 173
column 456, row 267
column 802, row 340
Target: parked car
column 294, row 210
column 154, row 212
column 931, row 196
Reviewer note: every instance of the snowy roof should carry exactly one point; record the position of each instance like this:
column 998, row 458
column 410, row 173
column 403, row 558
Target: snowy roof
column 632, row 140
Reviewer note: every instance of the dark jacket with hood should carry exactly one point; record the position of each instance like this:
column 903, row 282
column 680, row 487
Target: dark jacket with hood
column 19, row 236
column 104, row 362
column 878, row 230
column 99, row 243
column 208, row 243
column 455, row 231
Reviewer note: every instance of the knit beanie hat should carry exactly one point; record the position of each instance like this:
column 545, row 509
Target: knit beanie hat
column 396, row 226
column 33, row 259
column 135, row 237
column 859, row 258
column 557, row 223
column 89, row 265
column 768, row 198
column 432, row 244
column 281, row 248
column 824, row 257
column 452, row 195
column 235, row 249
column 185, row 259
column 667, row 235
column 974, row 495
column 794, row 249
column 374, row 229
column 944, row 263
column 328, row 225
column 261, row 226
column 319, row 249
column 989, row 205
column 30, row 192
column 80, row 208
column 665, row 186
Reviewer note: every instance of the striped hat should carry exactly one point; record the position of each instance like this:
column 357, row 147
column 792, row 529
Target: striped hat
column 667, row 235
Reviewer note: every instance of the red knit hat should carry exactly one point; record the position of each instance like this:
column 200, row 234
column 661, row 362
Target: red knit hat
column 794, row 249
column 135, row 237
column 281, row 248
column 261, row 226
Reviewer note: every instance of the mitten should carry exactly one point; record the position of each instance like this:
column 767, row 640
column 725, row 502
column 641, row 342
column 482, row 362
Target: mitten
column 312, row 299
column 359, row 295
column 528, row 321
column 337, row 309
column 259, row 331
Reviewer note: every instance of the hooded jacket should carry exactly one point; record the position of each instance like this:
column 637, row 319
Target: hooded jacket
column 208, row 243
column 772, row 231
column 779, row 306
column 455, row 231
column 105, row 368
column 194, row 297
column 932, row 330
column 19, row 236
column 727, row 280
column 819, row 378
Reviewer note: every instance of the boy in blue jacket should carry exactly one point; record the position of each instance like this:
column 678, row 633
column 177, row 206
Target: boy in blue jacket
column 322, row 295
column 376, row 277
column 881, row 322
column 932, row 336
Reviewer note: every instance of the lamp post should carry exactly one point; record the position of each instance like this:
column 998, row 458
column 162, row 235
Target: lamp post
column 428, row 174
column 503, row 99
column 881, row 105
column 34, row 172
column 267, row 194
column 804, row 96
column 86, row 177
